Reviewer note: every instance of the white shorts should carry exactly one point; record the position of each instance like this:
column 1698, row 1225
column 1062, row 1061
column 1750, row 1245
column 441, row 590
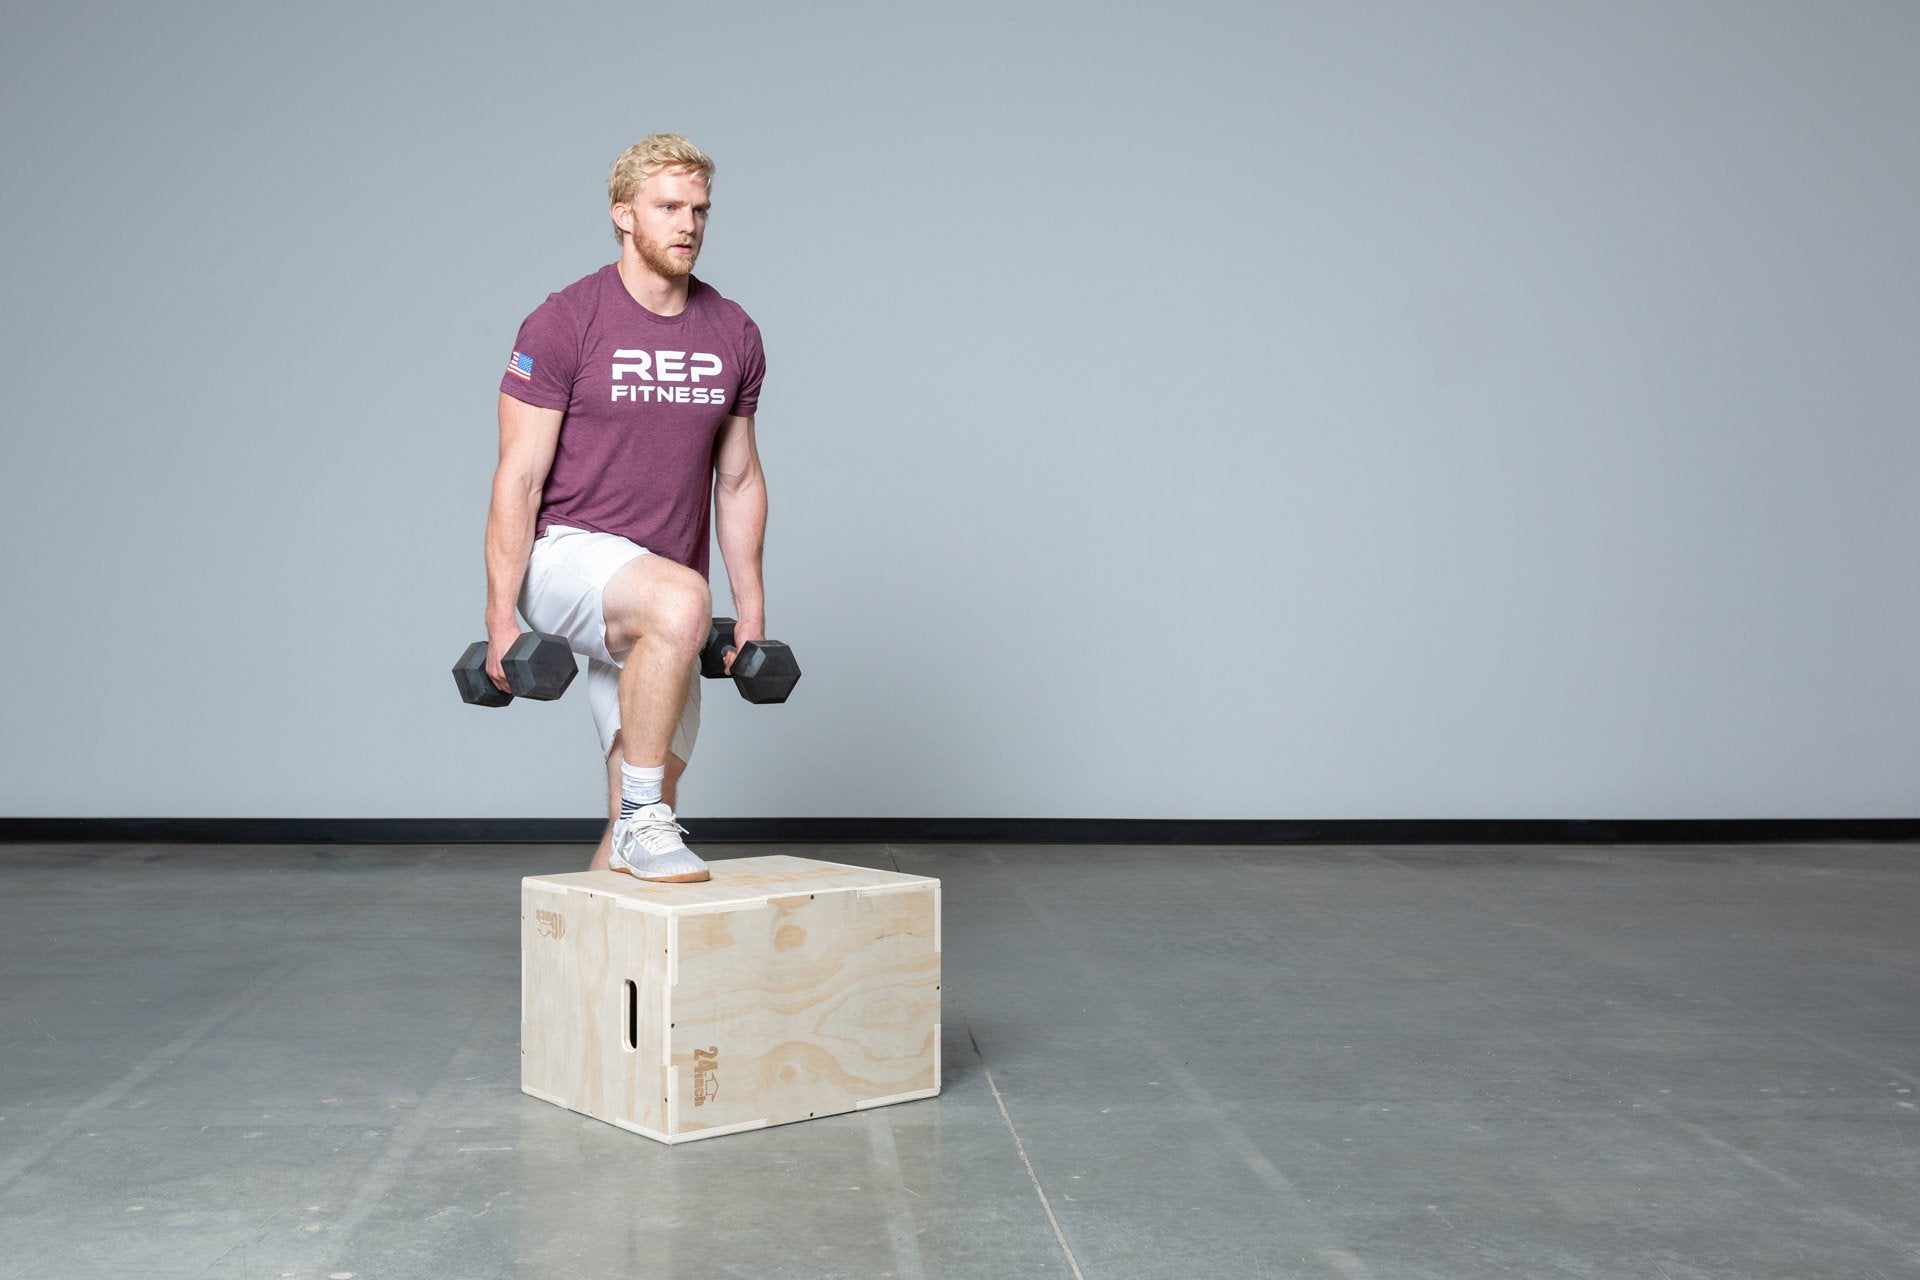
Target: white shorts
column 566, row 574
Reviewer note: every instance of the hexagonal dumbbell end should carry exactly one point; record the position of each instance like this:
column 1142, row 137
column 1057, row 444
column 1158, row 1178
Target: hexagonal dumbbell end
column 765, row 670
column 713, row 658
column 470, row 673
column 539, row 666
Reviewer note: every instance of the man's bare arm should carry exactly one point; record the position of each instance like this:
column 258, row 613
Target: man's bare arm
column 528, row 437
column 740, row 520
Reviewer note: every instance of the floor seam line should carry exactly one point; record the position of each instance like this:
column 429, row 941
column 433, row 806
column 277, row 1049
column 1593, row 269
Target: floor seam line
column 1330, row 1249
column 1020, row 1149
column 78, row 1116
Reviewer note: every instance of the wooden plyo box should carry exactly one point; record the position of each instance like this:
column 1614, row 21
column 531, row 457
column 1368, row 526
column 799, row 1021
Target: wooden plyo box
column 781, row 989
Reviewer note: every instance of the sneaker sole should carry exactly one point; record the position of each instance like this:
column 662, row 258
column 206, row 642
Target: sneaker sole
column 690, row 877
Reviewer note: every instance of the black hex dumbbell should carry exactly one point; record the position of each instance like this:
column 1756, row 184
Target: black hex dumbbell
column 764, row 670
column 538, row 666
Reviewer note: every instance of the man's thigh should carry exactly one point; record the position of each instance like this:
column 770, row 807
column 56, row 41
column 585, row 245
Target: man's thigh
column 568, row 575
column 572, row 577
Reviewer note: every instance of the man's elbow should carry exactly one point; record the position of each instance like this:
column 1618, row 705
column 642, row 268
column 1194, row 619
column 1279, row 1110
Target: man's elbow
column 736, row 484
column 517, row 483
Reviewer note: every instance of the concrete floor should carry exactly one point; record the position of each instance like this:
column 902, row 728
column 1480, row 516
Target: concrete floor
column 1395, row 1063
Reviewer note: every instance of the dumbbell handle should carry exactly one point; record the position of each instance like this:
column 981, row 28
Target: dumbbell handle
column 713, row 658
column 749, row 661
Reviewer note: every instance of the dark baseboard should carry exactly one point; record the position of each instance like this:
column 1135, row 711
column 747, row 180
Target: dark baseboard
column 1148, row 831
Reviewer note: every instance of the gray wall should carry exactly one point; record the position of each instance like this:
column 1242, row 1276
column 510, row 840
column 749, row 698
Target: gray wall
column 1315, row 410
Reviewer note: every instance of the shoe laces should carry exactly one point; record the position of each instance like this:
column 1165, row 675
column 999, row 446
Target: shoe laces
column 656, row 831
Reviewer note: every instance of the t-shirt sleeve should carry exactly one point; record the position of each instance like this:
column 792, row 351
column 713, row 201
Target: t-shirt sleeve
column 753, row 367
column 546, row 356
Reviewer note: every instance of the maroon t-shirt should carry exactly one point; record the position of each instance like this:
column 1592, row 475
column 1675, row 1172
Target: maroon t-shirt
column 644, row 397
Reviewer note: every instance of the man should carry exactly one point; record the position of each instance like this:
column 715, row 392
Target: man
column 630, row 398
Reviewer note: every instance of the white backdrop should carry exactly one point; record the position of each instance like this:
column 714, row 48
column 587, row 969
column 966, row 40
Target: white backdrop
column 1283, row 410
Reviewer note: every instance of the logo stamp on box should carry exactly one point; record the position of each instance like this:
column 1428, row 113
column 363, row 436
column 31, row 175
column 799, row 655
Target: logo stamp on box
column 706, row 1075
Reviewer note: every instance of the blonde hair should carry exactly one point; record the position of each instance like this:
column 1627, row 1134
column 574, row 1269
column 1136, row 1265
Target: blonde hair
column 650, row 155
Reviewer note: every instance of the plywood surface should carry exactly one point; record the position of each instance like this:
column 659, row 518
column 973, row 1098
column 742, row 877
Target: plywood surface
column 584, row 1041
column 784, row 988
column 808, row 1005
column 735, row 880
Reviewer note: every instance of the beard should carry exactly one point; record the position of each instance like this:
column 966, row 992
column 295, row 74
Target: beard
column 661, row 259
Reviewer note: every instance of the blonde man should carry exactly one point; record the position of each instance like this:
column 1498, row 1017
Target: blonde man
column 627, row 406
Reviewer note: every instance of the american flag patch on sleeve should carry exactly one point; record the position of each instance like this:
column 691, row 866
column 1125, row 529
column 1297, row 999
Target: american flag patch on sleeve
column 521, row 366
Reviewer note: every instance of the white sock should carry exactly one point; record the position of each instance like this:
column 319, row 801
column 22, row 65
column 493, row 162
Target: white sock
column 639, row 787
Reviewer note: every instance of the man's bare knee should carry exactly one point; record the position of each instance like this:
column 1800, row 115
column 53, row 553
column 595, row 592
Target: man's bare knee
column 685, row 615
column 657, row 600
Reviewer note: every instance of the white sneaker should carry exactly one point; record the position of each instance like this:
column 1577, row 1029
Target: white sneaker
column 647, row 846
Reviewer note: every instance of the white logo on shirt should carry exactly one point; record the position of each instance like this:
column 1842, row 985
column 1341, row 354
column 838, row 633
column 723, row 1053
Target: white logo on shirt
column 666, row 366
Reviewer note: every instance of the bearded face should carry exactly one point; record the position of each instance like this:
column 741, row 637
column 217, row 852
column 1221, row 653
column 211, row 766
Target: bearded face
column 667, row 220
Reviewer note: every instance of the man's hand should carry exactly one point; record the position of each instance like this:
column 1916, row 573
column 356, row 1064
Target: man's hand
column 745, row 630
column 499, row 640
